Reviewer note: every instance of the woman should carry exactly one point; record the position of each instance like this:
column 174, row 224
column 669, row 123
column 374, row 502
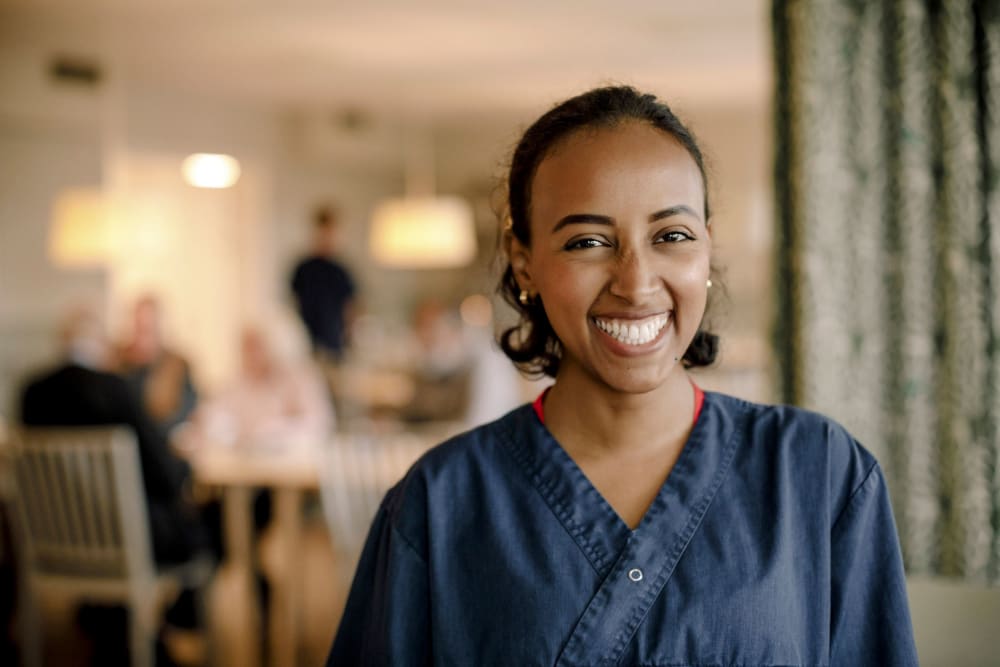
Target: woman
column 627, row 518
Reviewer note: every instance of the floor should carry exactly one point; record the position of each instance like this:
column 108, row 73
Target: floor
column 324, row 583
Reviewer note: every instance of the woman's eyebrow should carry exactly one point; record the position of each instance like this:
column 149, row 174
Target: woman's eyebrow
column 583, row 219
column 671, row 211
column 595, row 219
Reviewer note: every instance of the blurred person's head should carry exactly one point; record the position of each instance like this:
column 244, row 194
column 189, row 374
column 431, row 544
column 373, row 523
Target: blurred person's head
column 533, row 343
column 83, row 338
column 275, row 342
column 440, row 336
column 430, row 322
column 326, row 230
column 146, row 341
column 255, row 354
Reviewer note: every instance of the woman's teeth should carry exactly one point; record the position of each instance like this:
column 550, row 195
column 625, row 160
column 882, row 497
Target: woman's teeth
column 633, row 332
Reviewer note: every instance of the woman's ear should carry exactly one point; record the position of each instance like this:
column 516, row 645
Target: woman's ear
column 520, row 260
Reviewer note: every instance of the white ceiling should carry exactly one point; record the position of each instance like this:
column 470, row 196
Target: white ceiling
column 394, row 57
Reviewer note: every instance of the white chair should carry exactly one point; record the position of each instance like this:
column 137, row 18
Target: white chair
column 85, row 530
column 358, row 470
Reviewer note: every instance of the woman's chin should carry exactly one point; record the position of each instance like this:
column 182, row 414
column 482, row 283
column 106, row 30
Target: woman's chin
column 637, row 381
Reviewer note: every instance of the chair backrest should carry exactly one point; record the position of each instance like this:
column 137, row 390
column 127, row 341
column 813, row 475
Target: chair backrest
column 81, row 502
column 358, row 470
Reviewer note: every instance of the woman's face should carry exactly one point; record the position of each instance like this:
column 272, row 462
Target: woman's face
column 619, row 253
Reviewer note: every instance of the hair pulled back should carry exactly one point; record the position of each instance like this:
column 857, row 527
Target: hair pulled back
column 532, row 344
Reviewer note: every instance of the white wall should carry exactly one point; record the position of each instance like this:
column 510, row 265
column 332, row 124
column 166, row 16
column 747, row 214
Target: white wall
column 35, row 164
column 955, row 623
column 208, row 254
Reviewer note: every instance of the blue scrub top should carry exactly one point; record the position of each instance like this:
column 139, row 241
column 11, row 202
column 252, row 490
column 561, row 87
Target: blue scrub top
column 772, row 542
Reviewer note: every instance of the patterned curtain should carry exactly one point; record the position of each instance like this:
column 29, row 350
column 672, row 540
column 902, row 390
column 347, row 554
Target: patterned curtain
column 887, row 120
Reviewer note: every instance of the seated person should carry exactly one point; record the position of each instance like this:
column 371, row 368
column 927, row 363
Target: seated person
column 159, row 375
column 277, row 402
column 441, row 365
column 459, row 374
column 80, row 391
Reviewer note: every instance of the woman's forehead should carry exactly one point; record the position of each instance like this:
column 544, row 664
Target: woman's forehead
column 627, row 161
column 622, row 135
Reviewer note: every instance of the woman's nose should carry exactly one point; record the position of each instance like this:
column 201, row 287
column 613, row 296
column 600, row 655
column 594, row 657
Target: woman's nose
column 633, row 278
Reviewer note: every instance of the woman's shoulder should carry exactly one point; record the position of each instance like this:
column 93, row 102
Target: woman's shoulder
column 456, row 468
column 475, row 445
column 453, row 459
column 809, row 442
column 787, row 422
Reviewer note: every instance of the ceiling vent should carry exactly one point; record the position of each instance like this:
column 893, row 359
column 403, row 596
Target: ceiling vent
column 75, row 71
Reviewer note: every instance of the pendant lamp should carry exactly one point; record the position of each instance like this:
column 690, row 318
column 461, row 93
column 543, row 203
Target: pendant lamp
column 422, row 230
column 80, row 235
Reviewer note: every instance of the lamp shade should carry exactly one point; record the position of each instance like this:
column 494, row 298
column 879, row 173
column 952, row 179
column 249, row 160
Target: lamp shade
column 80, row 232
column 423, row 233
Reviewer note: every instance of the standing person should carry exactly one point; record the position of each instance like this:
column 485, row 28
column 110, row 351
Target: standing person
column 159, row 375
column 324, row 289
column 627, row 517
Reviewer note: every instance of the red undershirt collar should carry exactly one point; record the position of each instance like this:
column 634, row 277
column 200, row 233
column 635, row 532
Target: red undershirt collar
column 699, row 401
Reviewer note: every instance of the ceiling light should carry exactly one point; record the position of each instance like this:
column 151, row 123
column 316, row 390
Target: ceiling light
column 211, row 170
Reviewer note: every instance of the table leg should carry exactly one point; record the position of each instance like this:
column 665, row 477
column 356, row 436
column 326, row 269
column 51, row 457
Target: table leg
column 284, row 587
column 238, row 527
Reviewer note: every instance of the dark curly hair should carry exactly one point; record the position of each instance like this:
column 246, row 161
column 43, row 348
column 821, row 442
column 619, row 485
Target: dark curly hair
column 532, row 344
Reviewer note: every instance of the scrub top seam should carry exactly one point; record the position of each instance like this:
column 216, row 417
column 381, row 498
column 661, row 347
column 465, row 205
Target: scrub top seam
column 859, row 491
column 405, row 540
column 546, row 490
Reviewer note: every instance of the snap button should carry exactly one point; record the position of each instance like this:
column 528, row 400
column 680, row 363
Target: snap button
column 635, row 574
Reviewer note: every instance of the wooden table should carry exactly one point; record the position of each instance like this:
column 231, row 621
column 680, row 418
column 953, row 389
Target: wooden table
column 288, row 475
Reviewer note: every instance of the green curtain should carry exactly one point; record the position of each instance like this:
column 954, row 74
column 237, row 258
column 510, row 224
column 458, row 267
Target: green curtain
column 887, row 120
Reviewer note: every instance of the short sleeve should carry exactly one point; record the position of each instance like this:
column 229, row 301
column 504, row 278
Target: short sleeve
column 350, row 288
column 870, row 617
column 386, row 620
column 295, row 282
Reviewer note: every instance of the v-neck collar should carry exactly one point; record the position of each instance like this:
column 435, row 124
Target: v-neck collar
column 587, row 516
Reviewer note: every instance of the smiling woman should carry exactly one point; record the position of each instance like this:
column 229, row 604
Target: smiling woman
column 618, row 240
column 533, row 345
column 627, row 517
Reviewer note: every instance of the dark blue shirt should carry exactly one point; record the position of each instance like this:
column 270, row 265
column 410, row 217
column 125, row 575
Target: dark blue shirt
column 323, row 288
column 772, row 542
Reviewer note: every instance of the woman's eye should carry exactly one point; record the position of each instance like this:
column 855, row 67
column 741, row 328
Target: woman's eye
column 674, row 237
column 579, row 244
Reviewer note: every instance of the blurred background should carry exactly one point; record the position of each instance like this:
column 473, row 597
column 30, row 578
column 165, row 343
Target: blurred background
column 169, row 168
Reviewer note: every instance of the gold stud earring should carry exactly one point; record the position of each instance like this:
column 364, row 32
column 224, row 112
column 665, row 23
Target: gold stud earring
column 524, row 298
column 708, row 283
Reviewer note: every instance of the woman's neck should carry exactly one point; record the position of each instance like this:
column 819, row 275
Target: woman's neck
column 591, row 419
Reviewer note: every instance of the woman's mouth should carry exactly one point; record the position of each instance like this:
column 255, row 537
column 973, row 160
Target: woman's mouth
column 633, row 332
